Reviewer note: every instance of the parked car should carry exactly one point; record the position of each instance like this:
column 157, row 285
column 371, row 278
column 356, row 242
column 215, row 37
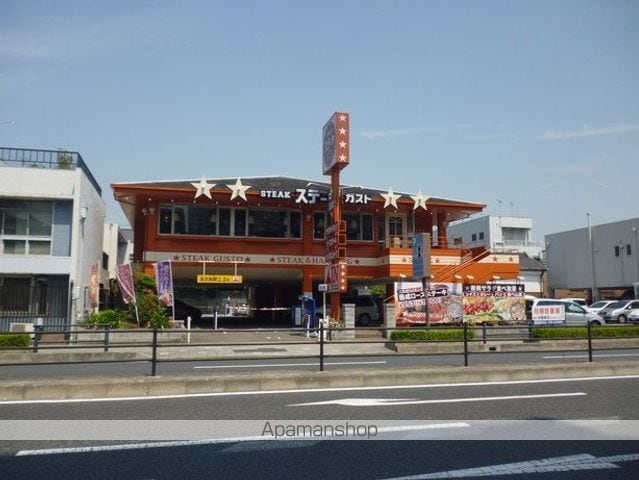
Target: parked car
column 618, row 311
column 633, row 316
column 183, row 310
column 575, row 314
column 366, row 309
column 579, row 301
column 597, row 307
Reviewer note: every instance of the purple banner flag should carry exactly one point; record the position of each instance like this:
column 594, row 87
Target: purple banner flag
column 164, row 282
column 124, row 275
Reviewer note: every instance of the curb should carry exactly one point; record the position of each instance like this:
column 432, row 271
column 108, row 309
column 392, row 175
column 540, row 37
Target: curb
column 123, row 387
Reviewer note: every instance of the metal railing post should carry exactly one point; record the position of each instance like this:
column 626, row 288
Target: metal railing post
column 465, row 344
column 106, row 338
column 321, row 339
column 154, row 353
column 589, row 342
column 483, row 332
column 37, row 337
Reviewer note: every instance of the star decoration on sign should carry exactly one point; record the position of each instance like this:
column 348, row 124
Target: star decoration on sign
column 238, row 190
column 420, row 200
column 390, row 198
column 203, row 188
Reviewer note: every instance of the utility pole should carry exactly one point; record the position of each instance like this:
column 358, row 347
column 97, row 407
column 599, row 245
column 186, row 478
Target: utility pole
column 593, row 283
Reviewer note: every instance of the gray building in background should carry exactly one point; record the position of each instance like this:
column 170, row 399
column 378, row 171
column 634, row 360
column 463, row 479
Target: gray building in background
column 604, row 264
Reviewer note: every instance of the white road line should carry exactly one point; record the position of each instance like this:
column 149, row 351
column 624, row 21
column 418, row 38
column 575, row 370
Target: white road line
column 186, row 443
column 568, row 463
column 322, row 390
column 598, row 355
column 384, row 402
column 267, row 365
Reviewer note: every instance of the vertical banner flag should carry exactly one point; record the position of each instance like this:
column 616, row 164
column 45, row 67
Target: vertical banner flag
column 124, row 276
column 164, row 282
column 94, row 282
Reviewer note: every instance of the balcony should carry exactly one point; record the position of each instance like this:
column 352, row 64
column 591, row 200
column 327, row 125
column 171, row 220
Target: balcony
column 45, row 159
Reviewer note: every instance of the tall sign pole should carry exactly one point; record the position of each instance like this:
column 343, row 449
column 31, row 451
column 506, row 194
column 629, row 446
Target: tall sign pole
column 336, row 156
column 421, row 265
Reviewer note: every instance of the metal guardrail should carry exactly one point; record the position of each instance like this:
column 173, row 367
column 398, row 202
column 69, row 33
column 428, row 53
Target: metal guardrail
column 471, row 335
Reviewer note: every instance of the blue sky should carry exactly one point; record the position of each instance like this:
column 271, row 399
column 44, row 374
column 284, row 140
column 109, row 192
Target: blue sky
column 534, row 103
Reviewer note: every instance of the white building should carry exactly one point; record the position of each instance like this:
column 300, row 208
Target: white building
column 498, row 233
column 607, row 264
column 51, row 232
column 117, row 248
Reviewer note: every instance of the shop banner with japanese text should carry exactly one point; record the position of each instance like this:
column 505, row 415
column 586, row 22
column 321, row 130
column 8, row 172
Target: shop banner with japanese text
column 124, row 276
column 164, row 282
column 444, row 303
column 494, row 304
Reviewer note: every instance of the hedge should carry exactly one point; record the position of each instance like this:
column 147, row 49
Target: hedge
column 15, row 340
column 456, row 334
column 582, row 332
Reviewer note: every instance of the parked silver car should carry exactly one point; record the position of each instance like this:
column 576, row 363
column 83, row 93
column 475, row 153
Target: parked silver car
column 600, row 305
column 575, row 314
column 633, row 316
column 618, row 311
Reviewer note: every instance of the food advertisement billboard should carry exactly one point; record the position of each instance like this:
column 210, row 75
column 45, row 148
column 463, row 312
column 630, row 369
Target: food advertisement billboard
column 444, row 304
column 494, row 304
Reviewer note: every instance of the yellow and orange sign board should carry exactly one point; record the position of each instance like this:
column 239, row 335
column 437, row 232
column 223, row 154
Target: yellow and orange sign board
column 219, row 279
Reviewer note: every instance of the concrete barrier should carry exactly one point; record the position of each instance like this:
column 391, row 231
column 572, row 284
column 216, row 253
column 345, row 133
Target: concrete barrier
column 119, row 387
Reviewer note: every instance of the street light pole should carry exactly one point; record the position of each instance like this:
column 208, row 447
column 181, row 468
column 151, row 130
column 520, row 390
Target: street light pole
column 593, row 283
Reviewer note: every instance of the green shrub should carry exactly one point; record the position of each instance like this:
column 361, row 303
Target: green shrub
column 430, row 335
column 14, row 339
column 602, row 331
column 152, row 312
column 111, row 318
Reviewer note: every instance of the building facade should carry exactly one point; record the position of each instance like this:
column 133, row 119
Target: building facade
column 499, row 233
column 51, row 223
column 602, row 265
column 269, row 233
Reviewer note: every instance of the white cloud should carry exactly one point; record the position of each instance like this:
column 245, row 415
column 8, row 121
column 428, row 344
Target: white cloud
column 575, row 168
column 588, row 132
column 389, row 134
column 67, row 38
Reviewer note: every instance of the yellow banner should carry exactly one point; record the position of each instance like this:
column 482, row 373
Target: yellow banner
column 219, row 279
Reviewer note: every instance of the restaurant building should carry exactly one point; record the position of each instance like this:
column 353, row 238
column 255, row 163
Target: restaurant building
column 260, row 242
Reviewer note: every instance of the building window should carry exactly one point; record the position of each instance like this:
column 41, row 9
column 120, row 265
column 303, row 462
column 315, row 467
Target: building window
column 628, row 249
column 319, row 225
column 359, row 226
column 473, row 237
column 105, row 261
column 25, row 227
column 273, row 223
column 481, row 235
column 617, row 251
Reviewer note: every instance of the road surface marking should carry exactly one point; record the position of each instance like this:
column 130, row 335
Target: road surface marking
column 557, row 464
column 384, row 402
column 281, row 442
column 583, row 355
column 266, row 365
column 320, row 390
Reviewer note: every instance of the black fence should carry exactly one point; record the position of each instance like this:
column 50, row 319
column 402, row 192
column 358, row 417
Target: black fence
column 41, row 305
column 461, row 344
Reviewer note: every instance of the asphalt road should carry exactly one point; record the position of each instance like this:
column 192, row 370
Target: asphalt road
column 451, row 434
column 308, row 364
